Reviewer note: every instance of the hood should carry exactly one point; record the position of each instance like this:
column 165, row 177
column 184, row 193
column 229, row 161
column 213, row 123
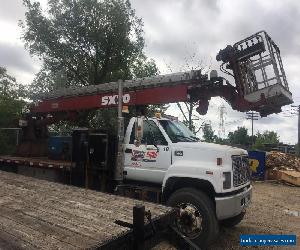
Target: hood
column 212, row 146
column 204, row 151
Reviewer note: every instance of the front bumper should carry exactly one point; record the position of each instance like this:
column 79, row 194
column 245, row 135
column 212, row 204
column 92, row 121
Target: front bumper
column 230, row 206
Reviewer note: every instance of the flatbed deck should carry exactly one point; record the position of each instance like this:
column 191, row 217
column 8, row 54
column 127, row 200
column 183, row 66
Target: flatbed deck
column 36, row 214
column 42, row 162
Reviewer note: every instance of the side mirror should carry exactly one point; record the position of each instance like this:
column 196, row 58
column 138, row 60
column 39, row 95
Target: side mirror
column 139, row 125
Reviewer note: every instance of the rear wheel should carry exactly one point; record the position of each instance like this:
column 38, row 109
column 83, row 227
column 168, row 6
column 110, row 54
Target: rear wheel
column 196, row 217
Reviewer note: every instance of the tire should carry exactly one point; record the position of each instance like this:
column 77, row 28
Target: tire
column 209, row 228
column 233, row 221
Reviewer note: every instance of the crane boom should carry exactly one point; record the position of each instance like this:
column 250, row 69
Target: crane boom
column 180, row 87
column 149, row 90
column 255, row 62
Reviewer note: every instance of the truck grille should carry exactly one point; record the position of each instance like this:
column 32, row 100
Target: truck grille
column 241, row 170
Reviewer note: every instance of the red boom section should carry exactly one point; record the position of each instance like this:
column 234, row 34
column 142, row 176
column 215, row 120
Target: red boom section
column 158, row 95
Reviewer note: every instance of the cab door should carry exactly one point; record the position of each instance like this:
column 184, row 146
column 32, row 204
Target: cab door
column 149, row 161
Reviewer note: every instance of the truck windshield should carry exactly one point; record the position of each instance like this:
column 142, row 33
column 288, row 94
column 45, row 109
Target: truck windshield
column 177, row 131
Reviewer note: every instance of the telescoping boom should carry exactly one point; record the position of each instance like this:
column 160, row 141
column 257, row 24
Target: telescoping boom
column 254, row 62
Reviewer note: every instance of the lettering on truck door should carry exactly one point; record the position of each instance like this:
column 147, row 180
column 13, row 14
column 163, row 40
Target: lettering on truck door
column 150, row 160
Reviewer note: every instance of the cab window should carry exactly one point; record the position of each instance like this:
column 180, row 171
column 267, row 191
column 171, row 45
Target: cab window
column 151, row 134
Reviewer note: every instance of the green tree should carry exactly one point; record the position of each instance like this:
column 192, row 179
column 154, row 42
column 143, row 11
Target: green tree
column 189, row 115
column 239, row 137
column 9, row 88
column 84, row 42
column 11, row 102
column 267, row 137
column 223, row 141
column 11, row 106
column 209, row 133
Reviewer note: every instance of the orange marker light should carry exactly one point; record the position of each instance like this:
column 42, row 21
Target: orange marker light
column 125, row 109
column 158, row 115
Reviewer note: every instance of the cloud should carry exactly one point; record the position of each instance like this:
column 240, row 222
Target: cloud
column 15, row 57
column 211, row 25
column 12, row 11
column 18, row 62
column 175, row 28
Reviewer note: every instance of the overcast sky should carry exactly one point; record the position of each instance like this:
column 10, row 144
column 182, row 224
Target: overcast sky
column 183, row 34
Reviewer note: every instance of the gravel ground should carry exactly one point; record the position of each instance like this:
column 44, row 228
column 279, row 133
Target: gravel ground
column 275, row 209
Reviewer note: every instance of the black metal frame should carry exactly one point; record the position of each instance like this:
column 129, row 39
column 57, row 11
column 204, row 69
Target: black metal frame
column 141, row 235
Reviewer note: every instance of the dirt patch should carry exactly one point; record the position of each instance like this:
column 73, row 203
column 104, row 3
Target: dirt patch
column 274, row 210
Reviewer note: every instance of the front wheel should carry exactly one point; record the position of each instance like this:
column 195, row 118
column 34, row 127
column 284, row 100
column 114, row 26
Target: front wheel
column 196, row 215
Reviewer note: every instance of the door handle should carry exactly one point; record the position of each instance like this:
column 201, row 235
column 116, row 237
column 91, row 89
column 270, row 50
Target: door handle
column 128, row 150
column 156, row 149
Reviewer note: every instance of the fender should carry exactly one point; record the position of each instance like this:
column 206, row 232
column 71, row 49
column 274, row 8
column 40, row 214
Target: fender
column 191, row 169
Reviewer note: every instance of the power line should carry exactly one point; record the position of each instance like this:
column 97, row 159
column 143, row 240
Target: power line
column 287, row 115
column 235, row 121
column 290, row 112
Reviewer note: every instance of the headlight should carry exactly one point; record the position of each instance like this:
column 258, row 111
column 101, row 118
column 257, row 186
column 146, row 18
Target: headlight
column 226, row 180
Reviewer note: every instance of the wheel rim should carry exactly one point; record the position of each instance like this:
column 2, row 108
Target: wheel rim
column 189, row 220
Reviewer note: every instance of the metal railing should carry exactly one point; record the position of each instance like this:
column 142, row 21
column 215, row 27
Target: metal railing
column 260, row 62
column 128, row 85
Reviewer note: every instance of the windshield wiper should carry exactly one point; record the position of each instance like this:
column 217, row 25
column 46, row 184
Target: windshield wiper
column 190, row 139
column 195, row 137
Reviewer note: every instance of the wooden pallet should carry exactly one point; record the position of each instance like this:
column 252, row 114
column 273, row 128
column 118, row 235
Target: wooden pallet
column 292, row 177
column 36, row 214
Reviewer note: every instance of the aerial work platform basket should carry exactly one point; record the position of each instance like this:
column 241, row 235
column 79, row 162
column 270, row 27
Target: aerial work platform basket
column 258, row 71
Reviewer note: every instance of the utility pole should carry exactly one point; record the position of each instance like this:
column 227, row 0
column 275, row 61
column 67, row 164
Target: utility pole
column 298, row 148
column 120, row 156
column 298, row 153
column 253, row 116
column 222, row 112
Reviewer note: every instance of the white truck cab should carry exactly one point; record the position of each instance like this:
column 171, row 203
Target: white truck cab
column 209, row 183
